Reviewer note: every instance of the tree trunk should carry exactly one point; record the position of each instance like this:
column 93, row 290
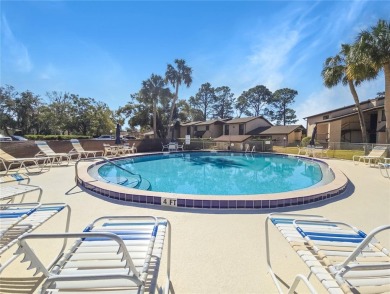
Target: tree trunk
column 359, row 110
column 386, row 68
column 173, row 108
column 154, row 119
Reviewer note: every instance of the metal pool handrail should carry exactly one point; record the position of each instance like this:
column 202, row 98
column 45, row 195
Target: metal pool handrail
column 105, row 159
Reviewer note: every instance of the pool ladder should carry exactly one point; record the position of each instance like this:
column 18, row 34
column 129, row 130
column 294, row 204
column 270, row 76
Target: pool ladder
column 139, row 182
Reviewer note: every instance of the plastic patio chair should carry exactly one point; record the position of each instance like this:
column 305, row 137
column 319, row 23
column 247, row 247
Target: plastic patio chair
column 165, row 147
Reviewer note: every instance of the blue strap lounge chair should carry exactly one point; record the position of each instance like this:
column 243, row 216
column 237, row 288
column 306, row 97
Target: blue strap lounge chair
column 18, row 219
column 112, row 255
column 11, row 186
column 343, row 258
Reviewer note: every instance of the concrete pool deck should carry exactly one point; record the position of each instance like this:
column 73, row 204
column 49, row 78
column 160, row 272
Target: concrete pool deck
column 214, row 251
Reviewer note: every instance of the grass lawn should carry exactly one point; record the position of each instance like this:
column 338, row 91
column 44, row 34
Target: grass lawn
column 340, row 154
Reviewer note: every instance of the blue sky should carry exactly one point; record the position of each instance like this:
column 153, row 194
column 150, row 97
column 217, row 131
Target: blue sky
column 105, row 49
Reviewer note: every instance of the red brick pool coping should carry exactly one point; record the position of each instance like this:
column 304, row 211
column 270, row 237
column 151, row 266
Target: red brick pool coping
column 256, row 201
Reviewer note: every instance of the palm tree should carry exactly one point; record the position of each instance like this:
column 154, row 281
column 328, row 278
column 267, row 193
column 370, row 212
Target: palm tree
column 373, row 48
column 176, row 76
column 153, row 88
column 335, row 71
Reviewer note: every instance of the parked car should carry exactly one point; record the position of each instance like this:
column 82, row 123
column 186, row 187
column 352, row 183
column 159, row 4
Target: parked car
column 5, row 138
column 129, row 137
column 105, row 137
column 18, row 138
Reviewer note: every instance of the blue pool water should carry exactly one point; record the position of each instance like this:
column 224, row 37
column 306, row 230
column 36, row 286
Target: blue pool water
column 219, row 173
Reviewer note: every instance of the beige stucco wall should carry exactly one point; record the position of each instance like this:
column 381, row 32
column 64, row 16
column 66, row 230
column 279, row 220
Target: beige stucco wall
column 335, row 131
column 216, row 130
column 183, row 131
column 248, row 126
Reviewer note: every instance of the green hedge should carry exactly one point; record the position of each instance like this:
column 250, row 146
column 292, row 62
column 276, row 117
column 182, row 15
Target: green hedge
column 55, row 137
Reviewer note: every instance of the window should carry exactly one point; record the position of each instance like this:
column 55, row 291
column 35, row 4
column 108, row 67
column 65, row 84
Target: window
column 226, row 129
column 383, row 115
column 325, row 116
column 241, row 129
column 195, row 128
column 207, row 128
column 188, row 130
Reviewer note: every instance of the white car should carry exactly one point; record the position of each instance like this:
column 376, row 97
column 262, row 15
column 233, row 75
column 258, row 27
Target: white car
column 105, row 137
column 5, row 138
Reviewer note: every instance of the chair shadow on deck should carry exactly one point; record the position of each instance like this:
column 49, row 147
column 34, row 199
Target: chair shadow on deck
column 20, row 285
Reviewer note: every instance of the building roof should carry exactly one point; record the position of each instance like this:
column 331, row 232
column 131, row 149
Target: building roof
column 346, row 107
column 232, row 138
column 276, row 130
column 347, row 115
column 190, row 123
column 210, row 122
column 242, row 119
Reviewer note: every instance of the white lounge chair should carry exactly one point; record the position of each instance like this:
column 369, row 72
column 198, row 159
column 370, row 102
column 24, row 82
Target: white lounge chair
column 77, row 148
column 374, row 156
column 172, row 146
column 45, row 150
column 301, row 149
column 110, row 150
column 129, row 149
column 385, row 166
column 118, row 254
column 343, row 258
column 18, row 219
column 33, row 162
column 12, row 186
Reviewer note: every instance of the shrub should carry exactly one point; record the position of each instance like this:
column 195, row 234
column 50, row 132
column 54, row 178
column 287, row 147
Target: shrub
column 305, row 141
column 55, row 137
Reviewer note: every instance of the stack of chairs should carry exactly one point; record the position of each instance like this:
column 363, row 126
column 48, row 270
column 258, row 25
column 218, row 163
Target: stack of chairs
column 343, row 258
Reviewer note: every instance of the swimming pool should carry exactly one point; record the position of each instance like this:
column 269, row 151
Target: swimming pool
column 314, row 184
column 205, row 173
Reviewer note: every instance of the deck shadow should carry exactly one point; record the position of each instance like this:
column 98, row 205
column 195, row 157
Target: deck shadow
column 20, row 285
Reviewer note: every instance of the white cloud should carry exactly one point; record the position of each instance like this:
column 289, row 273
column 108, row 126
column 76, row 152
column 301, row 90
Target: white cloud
column 49, row 72
column 321, row 101
column 274, row 55
column 14, row 52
